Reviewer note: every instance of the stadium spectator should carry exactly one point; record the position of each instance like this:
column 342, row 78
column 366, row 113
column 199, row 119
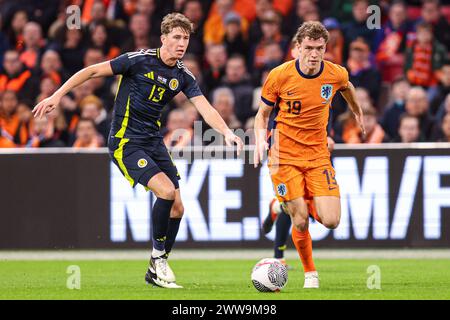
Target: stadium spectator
column 363, row 96
column 193, row 10
column 191, row 63
column 238, row 80
column 357, row 28
column 390, row 119
column 303, row 8
column 86, row 135
column 214, row 29
column 93, row 56
column 439, row 92
column 24, row 113
column 361, row 71
column 49, row 84
column 431, row 13
column 443, row 109
column 34, row 44
column 335, row 44
column 68, row 50
column 70, row 44
column 390, row 41
column 60, row 128
column 100, row 85
column 271, row 32
column 5, row 142
column 42, row 134
column 234, row 39
column 409, row 130
column 17, row 77
column 92, row 108
column 273, row 54
column 141, row 37
column 245, row 8
column 3, row 40
column 312, row 15
column 51, row 65
column 216, row 58
column 100, row 39
column 148, row 9
column 224, row 102
column 374, row 131
column 178, row 131
column 417, row 105
column 12, row 127
column 15, row 29
column 70, row 106
column 445, row 127
column 255, row 31
column 191, row 113
column 424, row 58
column 101, row 12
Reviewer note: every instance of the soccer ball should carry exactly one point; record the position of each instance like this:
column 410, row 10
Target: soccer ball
column 269, row 275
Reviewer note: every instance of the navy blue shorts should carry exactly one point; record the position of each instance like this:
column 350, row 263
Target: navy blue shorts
column 139, row 162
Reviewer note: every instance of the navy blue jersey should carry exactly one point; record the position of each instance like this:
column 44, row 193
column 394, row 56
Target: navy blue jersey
column 146, row 85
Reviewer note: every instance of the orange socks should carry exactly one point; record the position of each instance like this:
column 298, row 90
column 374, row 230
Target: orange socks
column 303, row 244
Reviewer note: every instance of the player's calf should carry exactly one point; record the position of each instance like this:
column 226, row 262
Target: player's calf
column 298, row 211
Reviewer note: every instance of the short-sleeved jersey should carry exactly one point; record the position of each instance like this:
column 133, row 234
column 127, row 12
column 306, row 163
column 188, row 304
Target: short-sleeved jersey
column 301, row 108
column 146, row 85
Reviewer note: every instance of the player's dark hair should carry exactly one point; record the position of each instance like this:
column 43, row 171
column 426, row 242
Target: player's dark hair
column 176, row 20
column 313, row 30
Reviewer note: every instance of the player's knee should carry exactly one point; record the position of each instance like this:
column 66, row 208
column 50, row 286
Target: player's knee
column 177, row 210
column 300, row 223
column 167, row 193
column 331, row 222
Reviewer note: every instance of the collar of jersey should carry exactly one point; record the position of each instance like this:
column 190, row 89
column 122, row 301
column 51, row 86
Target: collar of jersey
column 158, row 55
column 307, row 76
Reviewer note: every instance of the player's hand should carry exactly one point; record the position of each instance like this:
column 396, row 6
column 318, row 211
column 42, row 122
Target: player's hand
column 260, row 150
column 330, row 144
column 231, row 139
column 45, row 106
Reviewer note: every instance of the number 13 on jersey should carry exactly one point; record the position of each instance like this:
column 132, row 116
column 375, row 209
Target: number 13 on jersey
column 156, row 94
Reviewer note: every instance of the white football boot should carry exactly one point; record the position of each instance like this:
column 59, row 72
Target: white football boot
column 311, row 280
column 160, row 266
column 151, row 278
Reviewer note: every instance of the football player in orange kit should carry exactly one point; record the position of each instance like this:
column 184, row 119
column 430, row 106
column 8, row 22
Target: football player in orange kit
column 297, row 95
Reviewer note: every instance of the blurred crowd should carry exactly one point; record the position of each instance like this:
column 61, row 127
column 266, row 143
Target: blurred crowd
column 401, row 68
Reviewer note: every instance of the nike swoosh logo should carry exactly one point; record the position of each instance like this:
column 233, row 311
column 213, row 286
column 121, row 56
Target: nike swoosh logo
column 290, row 93
column 330, row 188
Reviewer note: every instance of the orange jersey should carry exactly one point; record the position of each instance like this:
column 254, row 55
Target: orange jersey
column 302, row 105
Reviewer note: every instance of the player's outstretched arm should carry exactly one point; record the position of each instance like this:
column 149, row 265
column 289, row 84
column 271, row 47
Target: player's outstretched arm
column 102, row 69
column 349, row 95
column 213, row 118
column 261, row 122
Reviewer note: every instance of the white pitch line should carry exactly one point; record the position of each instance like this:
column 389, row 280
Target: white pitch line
column 222, row 254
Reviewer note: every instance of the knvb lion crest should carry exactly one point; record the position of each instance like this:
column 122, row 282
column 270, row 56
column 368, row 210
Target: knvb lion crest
column 281, row 189
column 326, row 91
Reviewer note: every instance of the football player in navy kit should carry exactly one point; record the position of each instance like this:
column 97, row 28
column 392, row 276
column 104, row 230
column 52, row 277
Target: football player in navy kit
column 149, row 79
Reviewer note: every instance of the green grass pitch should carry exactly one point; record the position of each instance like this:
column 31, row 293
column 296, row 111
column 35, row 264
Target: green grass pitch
column 224, row 280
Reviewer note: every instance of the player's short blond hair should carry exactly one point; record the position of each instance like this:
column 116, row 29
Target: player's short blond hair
column 313, row 30
column 176, row 20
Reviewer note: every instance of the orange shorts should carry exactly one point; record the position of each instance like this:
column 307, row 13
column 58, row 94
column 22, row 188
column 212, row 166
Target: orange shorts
column 306, row 179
